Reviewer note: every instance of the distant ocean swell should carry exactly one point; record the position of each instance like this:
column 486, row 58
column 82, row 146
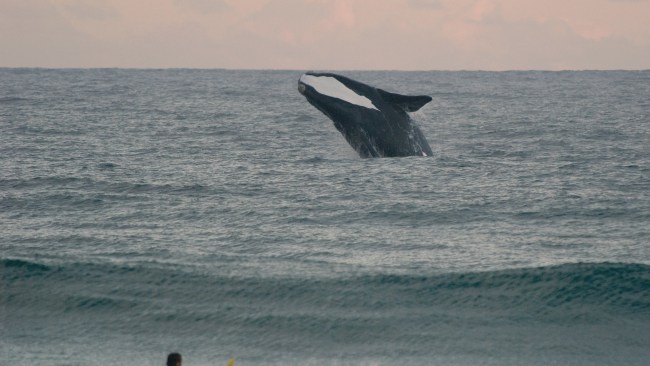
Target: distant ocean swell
column 87, row 185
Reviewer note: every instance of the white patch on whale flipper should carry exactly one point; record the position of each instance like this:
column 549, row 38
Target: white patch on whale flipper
column 329, row 86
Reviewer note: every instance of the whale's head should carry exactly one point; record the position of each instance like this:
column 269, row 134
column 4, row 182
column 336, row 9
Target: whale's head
column 335, row 95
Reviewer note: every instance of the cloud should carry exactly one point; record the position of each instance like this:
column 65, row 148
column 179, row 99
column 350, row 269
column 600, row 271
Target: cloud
column 203, row 6
column 35, row 33
column 327, row 34
column 89, row 9
column 343, row 13
column 432, row 4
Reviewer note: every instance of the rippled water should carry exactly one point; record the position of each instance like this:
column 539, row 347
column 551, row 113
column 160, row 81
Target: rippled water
column 218, row 214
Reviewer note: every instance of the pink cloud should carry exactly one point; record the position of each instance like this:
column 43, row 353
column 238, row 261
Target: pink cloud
column 365, row 34
column 343, row 13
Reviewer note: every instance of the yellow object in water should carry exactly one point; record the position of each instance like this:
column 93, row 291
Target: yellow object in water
column 231, row 362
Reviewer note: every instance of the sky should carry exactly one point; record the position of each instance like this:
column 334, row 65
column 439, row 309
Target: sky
column 327, row 34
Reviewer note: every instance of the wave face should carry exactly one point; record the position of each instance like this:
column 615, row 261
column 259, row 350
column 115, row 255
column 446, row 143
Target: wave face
column 529, row 315
column 216, row 213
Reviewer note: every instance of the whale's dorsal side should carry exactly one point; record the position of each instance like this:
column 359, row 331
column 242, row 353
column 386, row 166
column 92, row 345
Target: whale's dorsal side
column 409, row 103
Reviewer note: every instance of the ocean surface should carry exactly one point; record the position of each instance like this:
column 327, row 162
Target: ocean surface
column 216, row 213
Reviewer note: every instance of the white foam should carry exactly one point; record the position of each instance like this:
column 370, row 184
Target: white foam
column 329, row 86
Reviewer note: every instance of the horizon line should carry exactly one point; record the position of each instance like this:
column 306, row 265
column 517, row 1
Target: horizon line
column 309, row 69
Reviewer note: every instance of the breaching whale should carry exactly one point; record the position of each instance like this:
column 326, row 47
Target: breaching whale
column 373, row 121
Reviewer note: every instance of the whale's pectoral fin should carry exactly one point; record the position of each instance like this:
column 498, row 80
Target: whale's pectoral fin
column 409, row 103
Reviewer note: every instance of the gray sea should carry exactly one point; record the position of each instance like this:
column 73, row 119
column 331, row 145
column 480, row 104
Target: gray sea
column 216, row 213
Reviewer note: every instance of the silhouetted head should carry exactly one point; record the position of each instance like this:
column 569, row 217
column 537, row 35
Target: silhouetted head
column 174, row 359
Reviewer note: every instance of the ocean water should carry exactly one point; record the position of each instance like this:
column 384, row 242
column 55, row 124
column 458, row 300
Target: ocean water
column 216, row 213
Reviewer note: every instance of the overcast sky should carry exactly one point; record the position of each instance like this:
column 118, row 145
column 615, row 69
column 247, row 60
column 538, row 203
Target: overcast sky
column 327, row 34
